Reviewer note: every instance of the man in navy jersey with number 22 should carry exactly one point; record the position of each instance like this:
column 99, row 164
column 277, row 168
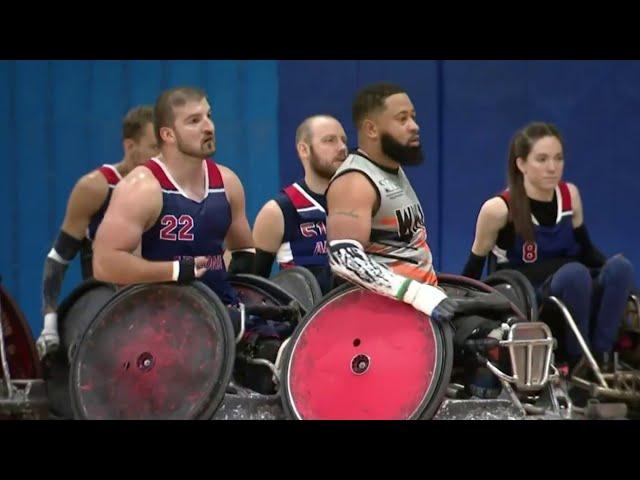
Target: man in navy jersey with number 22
column 171, row 219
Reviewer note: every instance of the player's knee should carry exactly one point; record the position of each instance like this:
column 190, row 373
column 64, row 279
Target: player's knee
column 573, row 275
column 618, row 269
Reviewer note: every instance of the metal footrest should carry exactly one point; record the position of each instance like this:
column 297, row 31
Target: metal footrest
column 530, row 347
column 25, row 399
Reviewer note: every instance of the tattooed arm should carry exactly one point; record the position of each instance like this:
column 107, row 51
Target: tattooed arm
column 351, row 201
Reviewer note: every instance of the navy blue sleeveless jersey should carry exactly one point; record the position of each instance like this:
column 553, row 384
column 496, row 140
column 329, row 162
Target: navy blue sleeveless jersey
column 304, row 242
column 186, row 228
column 113, row 177
column 551, row 241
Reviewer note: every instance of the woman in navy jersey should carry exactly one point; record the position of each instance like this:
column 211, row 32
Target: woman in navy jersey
column 537, row 227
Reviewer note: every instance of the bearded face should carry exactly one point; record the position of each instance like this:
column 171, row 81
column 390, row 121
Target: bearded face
column 404, row 154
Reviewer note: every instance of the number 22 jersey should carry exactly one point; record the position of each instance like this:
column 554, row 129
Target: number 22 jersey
column 187, row 228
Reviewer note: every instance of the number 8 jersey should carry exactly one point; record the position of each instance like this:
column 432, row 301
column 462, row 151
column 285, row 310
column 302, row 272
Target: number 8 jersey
column 186, row 228
column 554, row 240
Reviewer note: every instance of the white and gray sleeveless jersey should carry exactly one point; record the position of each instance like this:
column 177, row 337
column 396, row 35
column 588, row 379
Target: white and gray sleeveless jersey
column 398, row 235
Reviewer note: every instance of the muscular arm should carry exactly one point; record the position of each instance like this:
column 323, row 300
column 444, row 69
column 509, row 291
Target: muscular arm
column 351, row 199
column 238, row 239
column 86, row 198
column 134, row 207
column 268, row 233
column 492, row 217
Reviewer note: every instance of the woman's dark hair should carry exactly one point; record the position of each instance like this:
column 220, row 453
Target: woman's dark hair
column 520, row 146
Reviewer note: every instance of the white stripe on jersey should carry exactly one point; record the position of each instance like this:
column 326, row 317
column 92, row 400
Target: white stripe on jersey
column 501, row 254
column 307, row 209
column 211, row 190
column 205, row 169
column 560, row 201
column 308, row 197
column 560, row 214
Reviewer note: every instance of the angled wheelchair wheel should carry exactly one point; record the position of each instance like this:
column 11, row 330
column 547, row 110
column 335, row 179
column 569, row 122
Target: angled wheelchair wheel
column 78, row 309
column 75, row 313
column 154, row 351
column 359, row 355
column 459, row 286
column 463, row 287
column 517, row 288
column 22, row 390
column 253, row 289
column 19, row 345
column 300, row 283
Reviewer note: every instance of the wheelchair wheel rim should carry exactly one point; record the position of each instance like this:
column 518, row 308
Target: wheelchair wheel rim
column 154, row 352
column 19, row 345
column 363, row 356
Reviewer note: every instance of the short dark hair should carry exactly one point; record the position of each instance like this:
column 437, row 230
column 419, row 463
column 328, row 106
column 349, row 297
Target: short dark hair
column 174, row 97
column 135, row 120
column 372, row 98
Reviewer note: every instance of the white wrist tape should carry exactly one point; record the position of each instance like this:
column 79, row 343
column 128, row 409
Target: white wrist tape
column 423, row 297
column 249, row 250
column 176, row 270
column 51, row 321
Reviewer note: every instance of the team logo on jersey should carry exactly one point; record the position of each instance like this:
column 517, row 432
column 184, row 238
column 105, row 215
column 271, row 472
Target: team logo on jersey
column 410, row 220
column 388, row 185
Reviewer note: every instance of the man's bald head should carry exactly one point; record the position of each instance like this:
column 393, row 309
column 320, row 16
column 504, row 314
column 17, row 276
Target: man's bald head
column 304, row 132
column 321, row 144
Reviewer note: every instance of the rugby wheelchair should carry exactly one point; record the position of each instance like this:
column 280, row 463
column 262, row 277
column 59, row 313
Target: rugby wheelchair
column 359, row 355
column 168, row 351
column 614, row 393
column 172, row 351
